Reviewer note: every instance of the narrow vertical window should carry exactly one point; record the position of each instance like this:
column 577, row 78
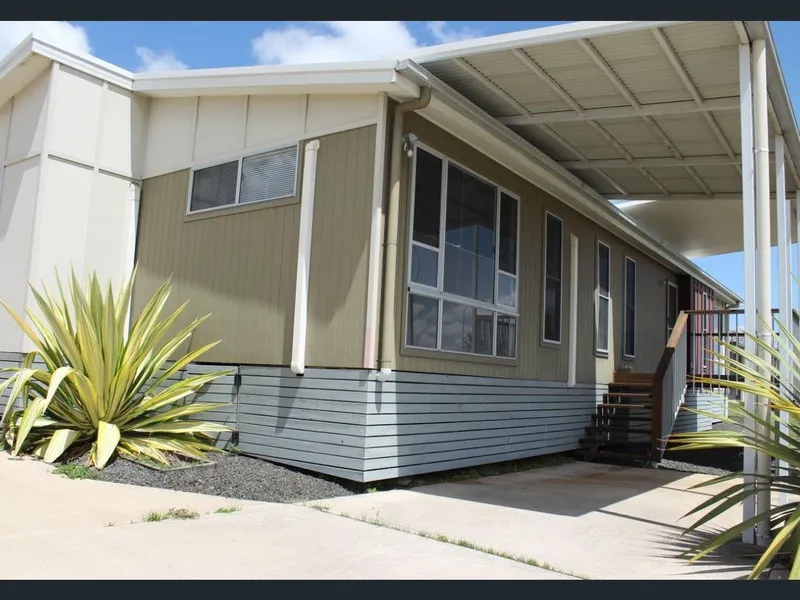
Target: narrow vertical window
column 603, row 298
column 553, row 263
column 672, row 307
column 630, row 308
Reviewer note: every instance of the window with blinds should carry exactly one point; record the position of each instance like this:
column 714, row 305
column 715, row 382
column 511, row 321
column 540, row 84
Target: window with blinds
column 257, row 178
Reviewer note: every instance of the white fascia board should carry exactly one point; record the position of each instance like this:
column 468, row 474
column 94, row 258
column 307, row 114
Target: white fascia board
column 531, row 37
column 16, row 57
column 85, row 63
column 348, row 78
column 532, row 164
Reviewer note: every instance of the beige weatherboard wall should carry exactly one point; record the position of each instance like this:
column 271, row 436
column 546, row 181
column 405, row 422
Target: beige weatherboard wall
column 71, row 145
column 239, row 263
column 537, row 360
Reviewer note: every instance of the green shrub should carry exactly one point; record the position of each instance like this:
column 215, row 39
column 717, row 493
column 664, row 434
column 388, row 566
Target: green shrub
column 99, row 387
column 761, row 377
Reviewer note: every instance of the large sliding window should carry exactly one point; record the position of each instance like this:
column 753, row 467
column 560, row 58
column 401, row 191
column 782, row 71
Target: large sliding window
column 462, row 283
column 553, row 266
column 602, row 316
column 630, row 308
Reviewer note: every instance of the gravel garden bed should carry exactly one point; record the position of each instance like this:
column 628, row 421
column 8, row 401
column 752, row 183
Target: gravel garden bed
column 231, row 476
column 716, row 461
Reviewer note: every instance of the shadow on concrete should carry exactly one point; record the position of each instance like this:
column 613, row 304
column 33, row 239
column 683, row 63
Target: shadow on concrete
column 573, row 490
column 732, row 557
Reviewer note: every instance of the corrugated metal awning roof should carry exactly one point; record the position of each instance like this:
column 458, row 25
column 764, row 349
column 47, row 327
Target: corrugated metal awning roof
column 637, row 110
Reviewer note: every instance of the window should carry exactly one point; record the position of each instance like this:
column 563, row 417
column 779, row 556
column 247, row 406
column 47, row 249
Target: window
column 603, row 298
column 553, row 259
column 672, row 307
column 630, row 308
column 462, row 280
column 265, row 176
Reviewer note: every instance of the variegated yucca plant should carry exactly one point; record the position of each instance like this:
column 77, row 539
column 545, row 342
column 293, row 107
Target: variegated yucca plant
column 101, row 388
column 760, row 376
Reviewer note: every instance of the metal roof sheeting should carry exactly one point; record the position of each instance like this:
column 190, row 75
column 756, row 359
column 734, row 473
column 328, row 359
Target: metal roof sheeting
column 666, row 91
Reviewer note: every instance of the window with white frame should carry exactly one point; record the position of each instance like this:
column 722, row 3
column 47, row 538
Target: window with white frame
column 254, row 178
column 463, row 264
column 630, row 308
column 553, row 266
column 603, row 298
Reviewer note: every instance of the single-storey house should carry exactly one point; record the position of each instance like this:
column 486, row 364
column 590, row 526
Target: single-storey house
column 413, row 264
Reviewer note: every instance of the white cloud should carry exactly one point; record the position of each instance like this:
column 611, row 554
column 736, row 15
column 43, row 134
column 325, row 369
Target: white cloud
column 336, row 41
column 444, row 35
column 150, row 60
column 60, row 33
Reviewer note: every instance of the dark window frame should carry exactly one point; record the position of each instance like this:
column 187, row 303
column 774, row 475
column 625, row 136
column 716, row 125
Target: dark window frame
column 629, row 304
column 545, row 340
column 499, row 311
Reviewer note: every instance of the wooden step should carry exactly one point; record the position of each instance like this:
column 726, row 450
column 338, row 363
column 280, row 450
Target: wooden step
column 626, row 406
column 632, row 385
column 614, row 442
column 626, row 377
column 641, row 419
column 616, row 428
column 627, row 395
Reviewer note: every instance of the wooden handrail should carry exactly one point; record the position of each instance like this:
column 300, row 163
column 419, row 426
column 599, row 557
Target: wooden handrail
column 658, row 382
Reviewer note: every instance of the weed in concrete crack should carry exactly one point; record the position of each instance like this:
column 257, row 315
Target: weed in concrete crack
column 172, row 513
column 440, row 537
column 225, row 510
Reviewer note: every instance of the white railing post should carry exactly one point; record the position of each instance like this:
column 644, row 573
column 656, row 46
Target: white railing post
column 763, row 267
column 748, row 223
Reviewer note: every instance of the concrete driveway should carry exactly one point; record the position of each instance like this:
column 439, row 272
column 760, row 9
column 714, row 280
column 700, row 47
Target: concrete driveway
column 54, row 528
column 600, row 521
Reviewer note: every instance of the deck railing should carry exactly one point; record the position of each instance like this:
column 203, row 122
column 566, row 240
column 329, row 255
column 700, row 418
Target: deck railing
column 707, row 329
column 669, row 386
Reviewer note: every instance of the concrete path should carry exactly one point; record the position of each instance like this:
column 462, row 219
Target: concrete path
column 601, row 521
column 54, row 528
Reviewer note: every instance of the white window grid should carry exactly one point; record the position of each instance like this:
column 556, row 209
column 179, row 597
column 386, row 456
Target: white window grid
column 239, row 160
column 601, row 295
column 438, row 293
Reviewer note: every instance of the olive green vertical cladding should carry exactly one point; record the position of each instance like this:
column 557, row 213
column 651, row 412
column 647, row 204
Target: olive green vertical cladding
column 240, row 264
column 538, row 360
column 337, row 302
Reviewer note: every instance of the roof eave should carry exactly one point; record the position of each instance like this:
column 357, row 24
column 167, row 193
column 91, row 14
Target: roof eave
column 571, row 186
column 349, row 78
column 531, row 37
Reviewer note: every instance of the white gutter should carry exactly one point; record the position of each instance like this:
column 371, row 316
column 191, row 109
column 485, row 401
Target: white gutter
column 303, row 258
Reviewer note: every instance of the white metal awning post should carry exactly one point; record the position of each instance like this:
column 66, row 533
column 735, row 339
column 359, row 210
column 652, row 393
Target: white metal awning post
column 748, row 220
column 784, row 222
column 763, row 265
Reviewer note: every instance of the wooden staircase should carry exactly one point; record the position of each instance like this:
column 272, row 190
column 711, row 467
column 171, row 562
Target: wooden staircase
column 622, row 429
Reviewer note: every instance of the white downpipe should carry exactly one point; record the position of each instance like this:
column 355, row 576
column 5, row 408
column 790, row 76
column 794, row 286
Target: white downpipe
column 573, row 310
column 303, row 258
column 763, row 261
column 130, row 262
column 784, row 220
column 748, row 221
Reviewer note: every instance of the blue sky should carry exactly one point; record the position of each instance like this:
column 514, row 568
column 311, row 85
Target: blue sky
column 146, row 45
